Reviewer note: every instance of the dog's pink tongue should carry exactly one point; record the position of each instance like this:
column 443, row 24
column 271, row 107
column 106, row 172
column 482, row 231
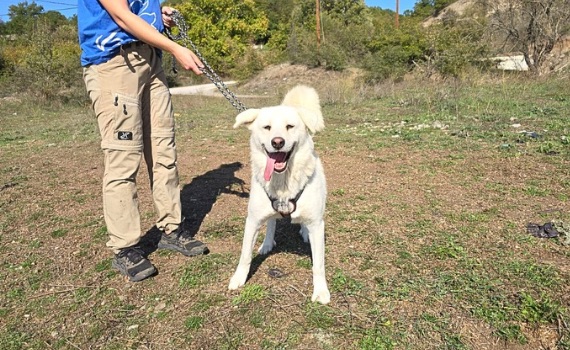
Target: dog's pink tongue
column 276, row 160
column 269, row 166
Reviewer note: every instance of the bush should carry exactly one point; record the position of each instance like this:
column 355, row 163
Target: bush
column 44, row 64
column 302, row 48
column 393, row 52
column 454, row 47
column 224, row 31
column 342, row 44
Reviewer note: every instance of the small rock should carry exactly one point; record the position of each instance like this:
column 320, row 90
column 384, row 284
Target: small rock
column 133, row 327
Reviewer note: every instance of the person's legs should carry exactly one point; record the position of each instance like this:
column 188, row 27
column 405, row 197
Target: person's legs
column 115, row 89
column 160, row 156
column 160, row 149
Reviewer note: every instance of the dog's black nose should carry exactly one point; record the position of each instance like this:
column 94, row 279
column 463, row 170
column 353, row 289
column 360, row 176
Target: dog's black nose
column 277, row 142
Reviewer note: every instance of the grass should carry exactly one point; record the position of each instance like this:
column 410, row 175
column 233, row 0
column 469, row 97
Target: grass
column 430, row 186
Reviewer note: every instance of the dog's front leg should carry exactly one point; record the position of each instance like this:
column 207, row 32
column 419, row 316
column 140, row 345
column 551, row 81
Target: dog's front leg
column 269, row 241
column 250, row 235
column 321, row 292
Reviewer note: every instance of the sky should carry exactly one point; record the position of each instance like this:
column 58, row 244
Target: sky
column 69, row 7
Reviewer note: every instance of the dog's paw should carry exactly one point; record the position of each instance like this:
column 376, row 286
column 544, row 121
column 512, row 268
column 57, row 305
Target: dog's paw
column 237, row 280
column 322, row 296
column 266, row 247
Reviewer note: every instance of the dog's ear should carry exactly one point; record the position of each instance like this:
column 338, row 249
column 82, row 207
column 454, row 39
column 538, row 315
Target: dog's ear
column 312, row 119
column 306, row 100
column 246, row 117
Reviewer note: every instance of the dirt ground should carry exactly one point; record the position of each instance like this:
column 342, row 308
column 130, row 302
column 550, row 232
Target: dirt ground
column 421, row 236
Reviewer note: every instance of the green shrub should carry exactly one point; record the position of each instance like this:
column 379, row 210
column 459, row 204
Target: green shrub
column 224, row 30
column 44, row 64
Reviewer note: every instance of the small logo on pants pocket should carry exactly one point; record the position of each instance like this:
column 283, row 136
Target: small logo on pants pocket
column 125, row 135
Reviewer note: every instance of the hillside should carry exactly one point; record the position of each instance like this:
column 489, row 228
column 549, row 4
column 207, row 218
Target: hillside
column 556, row 60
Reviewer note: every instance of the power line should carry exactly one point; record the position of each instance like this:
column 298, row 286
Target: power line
column 55, row 2
column 64, row 9
column 51, row 2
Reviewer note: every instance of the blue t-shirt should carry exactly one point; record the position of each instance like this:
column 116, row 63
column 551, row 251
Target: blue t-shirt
column 100, row 37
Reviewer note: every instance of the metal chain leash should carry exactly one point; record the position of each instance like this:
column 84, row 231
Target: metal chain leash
column 207, row 69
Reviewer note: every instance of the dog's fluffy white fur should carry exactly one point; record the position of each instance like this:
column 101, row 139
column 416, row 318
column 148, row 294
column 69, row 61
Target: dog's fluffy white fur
column 284, row 165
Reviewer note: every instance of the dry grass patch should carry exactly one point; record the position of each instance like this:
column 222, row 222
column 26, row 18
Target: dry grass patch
column 426, row 229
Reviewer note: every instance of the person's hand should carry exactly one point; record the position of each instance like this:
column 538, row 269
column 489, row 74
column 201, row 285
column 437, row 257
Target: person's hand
column 167, row 17
column 188, row 59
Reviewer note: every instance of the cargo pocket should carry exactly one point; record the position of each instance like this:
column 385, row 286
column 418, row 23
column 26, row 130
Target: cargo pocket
column 126, row 131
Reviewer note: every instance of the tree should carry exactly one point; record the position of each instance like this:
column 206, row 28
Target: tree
column 224, row 30
column 427, row 8
column 345, row 31
column 348, row 11
column 532, row 27
column 278, row 14
column 22, row 17
column 53, row 19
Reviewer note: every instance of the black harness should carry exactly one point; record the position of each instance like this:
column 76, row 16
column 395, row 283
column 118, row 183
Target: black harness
column 282, row 206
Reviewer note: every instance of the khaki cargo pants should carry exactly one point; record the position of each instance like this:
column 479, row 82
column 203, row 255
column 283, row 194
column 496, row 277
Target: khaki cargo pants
column 132, row 104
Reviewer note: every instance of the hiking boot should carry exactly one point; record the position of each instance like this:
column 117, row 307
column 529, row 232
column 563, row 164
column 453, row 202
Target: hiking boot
column 182, row 241
column 132, row 263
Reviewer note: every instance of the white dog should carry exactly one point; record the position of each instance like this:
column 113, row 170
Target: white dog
column 287, row 180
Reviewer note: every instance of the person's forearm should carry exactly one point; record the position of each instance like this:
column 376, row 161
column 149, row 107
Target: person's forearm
column 136, row 26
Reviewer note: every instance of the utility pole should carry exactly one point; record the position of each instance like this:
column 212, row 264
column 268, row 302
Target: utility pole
column 318, row 14
column 397, row 14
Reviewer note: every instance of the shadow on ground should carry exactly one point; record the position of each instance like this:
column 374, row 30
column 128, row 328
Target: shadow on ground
column 287, row 240
column 198, row 198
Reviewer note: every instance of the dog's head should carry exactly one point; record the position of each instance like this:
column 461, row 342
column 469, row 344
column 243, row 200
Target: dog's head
column 278, row 131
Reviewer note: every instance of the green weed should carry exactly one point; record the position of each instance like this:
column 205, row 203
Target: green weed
column 543, row 310
column 59, row 233
column 376, row 339
column 203, row 270
column 104, row 265
column 194, row 322
column 250, row 293
column 448, row 248
column 345, row 284
column 319, row 316
column 304, row 263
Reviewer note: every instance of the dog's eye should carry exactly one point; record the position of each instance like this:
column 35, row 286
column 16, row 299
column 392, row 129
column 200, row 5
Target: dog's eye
column 289, row 126
column 267, row 127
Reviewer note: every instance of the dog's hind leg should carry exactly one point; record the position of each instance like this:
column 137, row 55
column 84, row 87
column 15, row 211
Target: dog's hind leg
column 321, row 292
column 269, row 241
column 304, row 232
column 250, row 235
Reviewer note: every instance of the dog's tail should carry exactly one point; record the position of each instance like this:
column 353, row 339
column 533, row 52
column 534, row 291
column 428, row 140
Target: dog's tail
column 306, row 100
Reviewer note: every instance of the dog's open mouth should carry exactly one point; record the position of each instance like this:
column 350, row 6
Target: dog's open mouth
column 276, row 162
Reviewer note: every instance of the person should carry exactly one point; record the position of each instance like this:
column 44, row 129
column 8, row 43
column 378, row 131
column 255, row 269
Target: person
column 121, row 54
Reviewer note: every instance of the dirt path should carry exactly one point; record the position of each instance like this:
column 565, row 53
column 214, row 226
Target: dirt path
column 203, row 89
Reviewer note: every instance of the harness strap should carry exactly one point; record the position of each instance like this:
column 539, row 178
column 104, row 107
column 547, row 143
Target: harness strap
column 279, row 204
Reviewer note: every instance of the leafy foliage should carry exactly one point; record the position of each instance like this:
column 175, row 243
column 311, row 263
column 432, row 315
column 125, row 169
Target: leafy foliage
column 225, row 30
column 427, row 8
column 39, row 51
column 453, row 47
column 342, row 39
column 393, row 52
column 43, row 61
